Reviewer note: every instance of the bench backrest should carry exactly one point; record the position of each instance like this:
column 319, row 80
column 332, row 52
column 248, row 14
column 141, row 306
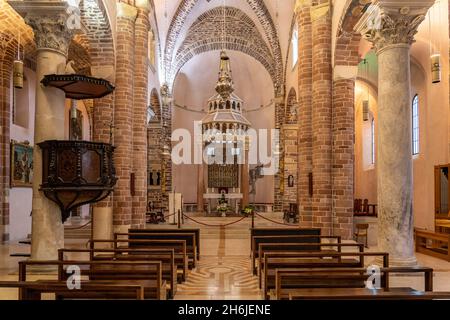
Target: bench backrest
column 187, row 230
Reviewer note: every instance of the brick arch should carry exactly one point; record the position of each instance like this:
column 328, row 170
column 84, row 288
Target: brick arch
column 156, row 105
column 265, row 19
column 347, row 44
column 98, row 32
column 291, row 115
column 205, row 35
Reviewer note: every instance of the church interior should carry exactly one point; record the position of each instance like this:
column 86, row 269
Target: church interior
column 224, row 149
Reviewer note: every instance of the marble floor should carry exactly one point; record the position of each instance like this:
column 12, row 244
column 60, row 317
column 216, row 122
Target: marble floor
column 223, row 271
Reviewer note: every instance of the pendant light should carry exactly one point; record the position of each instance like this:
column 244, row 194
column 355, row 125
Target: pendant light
column 18, row 69
column 436, row 73
column 366, row 101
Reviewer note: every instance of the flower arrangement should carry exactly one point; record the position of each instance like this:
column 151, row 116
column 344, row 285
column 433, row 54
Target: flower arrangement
column 248, row 210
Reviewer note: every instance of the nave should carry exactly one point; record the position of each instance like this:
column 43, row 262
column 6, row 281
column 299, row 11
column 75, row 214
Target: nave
column 223, row 271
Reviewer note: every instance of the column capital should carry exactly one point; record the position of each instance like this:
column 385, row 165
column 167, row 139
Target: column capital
column 126, row 11
column 319, row 11
column 53, row 22
column 345, row 72
column 388, row 23
column 142, row 4
column 300, row 4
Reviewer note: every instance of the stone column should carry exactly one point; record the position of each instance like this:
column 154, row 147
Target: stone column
column 140, row 95
column 278, row 179
column 52, row 37
column 200, row 187
column 321, row 115
column 245, row 188
column 304, row 111
column 392, row 39
column 123, row 116
column 343, row 149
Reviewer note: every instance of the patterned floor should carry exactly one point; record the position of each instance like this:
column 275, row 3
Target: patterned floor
column 223, row 272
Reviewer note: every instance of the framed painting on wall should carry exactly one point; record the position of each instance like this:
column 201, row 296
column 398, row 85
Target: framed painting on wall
column 21, row 164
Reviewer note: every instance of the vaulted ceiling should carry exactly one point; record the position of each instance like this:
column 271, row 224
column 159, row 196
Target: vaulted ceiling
column 258, row 28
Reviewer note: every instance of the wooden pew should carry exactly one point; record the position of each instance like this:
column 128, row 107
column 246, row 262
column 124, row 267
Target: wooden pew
column 366, row 294
column 167, row 258
column 178, row 246
column 283, row 232
column 289, row 280
column 286, row 260
column 433, row 244
column 32, row 290
column 297, row 248
column 191, row 243
column 147, row 274
column 165, row 230
column 301, row 239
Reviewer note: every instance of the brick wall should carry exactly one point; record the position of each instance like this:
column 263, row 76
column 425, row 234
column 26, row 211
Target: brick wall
column 290, row 150
column 154, row 132
column 343, row 156
column 123, row 118
column 321, row 117
column 304, row 113
column 5, row 116
column 142, row 25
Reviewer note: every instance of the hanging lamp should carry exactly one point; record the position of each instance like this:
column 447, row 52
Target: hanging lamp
column 18, row 68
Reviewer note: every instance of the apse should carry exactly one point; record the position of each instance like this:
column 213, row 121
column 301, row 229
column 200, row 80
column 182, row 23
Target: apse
column 195, row 84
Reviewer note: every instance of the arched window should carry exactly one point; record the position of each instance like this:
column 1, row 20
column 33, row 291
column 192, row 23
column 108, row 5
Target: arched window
column 415, row 125
column 372, row 133
column 294, row 44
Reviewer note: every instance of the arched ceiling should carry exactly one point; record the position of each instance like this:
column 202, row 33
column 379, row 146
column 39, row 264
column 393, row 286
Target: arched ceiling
column 271, row 18
column 241, row 35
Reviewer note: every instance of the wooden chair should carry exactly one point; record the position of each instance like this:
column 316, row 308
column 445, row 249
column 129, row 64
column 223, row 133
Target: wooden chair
column 366, row 206
column 362, row 231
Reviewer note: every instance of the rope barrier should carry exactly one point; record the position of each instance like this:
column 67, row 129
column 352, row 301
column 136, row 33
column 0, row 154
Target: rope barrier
column 273, row 221
column 214, row 225
column 78, row 227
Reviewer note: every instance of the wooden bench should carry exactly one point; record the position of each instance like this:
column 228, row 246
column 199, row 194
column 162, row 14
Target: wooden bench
column 32, row 290
column 286, row 260
column 433, row 244
column 301, row 239
column 288, row 280
column 178, row 246
column 190, row 238
column 147, row 274
column 166, row 257
column 366, row 294
column 287, row 248
column 183, row 230
column 282, row 232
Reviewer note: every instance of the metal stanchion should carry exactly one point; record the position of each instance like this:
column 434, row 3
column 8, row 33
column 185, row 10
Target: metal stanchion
column 253, row 219
column 179, row 219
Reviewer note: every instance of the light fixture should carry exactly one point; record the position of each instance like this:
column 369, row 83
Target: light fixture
column 365, row 103
column 435, row 56
column 18, row 69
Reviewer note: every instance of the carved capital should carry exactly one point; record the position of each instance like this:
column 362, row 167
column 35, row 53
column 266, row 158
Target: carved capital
column 50, row 32
column 53, row 22
column 386, row 25
column 300, row 4
column 126, row 11
column 319, row 11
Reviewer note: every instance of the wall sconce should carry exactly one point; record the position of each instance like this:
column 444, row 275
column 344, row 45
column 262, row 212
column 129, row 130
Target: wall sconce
column 436, row 68
column 366, row 110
